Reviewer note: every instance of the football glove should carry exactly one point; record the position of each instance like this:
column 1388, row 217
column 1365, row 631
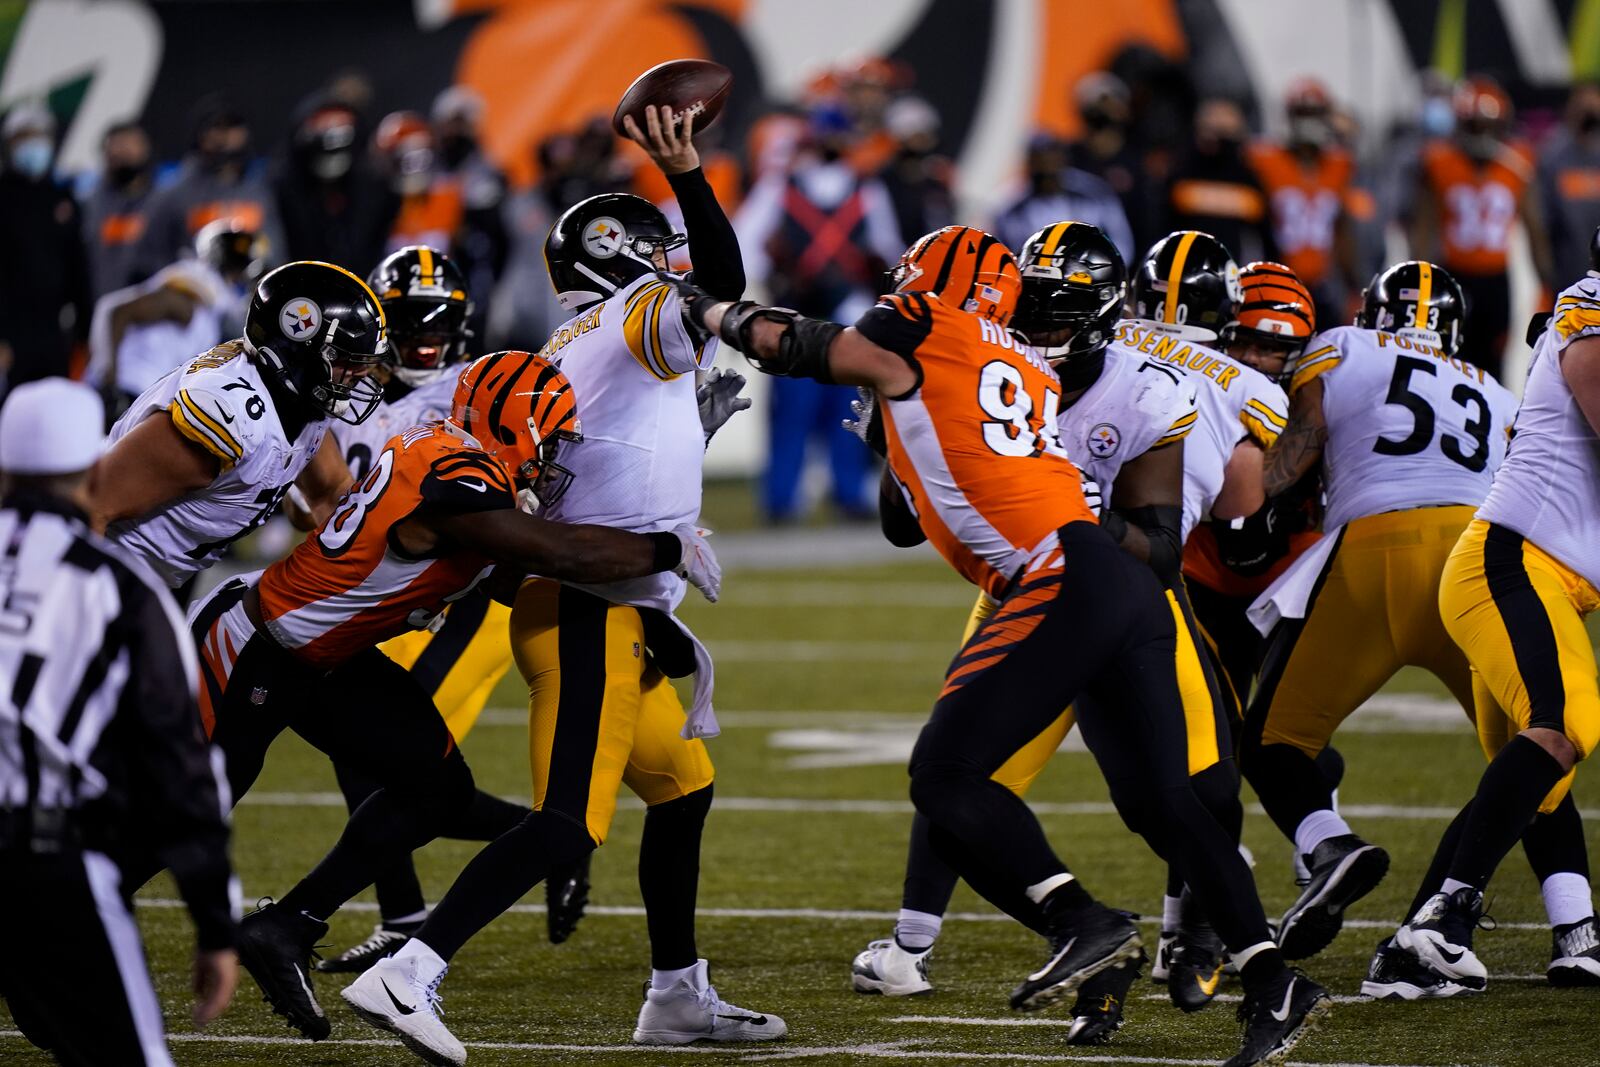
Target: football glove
column 719, row 399
column 866, row 421
column 1092, row 494
column 699, row 564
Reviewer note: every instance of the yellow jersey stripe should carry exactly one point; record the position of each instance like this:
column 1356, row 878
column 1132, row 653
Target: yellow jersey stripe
column 1170, row 312
column 658, row 349
column 1184, row 420
column 200, row 436
column 1324, row 350
column 635, row 332
column 1174, row 435
column 1309, row 371
column 196, row 412
column 1263, row 433
column 1575, row 320
column 1266, row 413
column 641, row 294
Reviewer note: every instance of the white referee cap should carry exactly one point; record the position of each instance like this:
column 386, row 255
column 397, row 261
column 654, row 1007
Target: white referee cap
column 52, row 426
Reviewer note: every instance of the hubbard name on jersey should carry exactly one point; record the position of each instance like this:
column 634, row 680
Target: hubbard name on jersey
column 219, row 401
column 1392, row 405
column 429, row 402
column 1135, row 405
column 1234, row 402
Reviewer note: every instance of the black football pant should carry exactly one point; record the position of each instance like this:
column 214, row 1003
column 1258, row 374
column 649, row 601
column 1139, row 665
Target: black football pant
column 1094, row 623
column 73, row 970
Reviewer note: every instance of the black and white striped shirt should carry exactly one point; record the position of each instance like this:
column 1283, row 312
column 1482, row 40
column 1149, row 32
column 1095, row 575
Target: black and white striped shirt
column 99, row 725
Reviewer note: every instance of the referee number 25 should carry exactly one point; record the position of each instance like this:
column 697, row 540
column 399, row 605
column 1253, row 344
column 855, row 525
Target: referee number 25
column 1016, row 426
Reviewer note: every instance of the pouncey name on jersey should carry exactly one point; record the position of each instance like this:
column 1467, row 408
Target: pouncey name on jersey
column 1408, row 425
column 1135, row 405
column 975, row 445
column 219, row 401
column 1234, row 402
column 428, row 402
column 1548, row 489
column 348, row 586
column 630, row 360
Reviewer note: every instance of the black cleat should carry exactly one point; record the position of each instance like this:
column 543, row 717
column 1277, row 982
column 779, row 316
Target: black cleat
column 1574, row 955
column 1343, row 870
column 276, row 948
column 1083, row 945
column 1098, row 1012
column 1276, row 1019
column 566, row 894
column 385, row 941
column 1195, row 970
column 1396, row 974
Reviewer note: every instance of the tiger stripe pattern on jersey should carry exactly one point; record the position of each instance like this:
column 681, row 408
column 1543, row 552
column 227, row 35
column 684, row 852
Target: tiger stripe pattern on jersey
column 1018, row 615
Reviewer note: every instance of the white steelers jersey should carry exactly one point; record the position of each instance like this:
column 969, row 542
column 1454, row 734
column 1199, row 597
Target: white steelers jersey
column 631, row 362
column 1233, row 402
column 219, row 401
column 1548, row 488
column 1135, row 405
column 428, row 402
column 1408, row 426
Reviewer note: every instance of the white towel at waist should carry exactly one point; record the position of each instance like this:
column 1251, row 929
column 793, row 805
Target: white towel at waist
column 1287, row 597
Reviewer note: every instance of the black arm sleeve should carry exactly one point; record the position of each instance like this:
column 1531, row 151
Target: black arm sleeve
column 174, row 785
column 713, row 246
column 1163, row 528
column 1253, row 544
column 899, row 522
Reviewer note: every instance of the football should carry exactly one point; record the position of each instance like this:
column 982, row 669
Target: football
column 684, row 85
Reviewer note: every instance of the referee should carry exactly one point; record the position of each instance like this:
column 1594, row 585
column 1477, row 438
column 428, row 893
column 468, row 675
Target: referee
column 102, row 758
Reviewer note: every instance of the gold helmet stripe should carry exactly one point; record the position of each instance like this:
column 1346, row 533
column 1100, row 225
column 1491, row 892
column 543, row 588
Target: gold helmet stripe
column 1054, row 238
column 382, row 322
column 425, row 262
column 1424, row 293
column 1170, row 311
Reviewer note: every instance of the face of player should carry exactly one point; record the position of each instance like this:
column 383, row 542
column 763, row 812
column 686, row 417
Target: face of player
column 1268, row 358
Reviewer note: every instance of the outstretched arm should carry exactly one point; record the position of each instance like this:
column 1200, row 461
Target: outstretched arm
column 1299, row 447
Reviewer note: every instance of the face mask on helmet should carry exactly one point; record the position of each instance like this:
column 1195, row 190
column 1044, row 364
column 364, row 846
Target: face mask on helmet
column 425, row 337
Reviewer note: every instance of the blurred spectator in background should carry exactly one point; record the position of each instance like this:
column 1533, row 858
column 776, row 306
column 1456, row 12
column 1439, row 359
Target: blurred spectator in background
column 1215, row 190
column 918, row 177
column 1435, row 117
column 1107, row 151
column 44, row 275
column 481, row 242
column 1306, row 179
column 1569, row 183
column 216, row 183
column 819, row 236
column 334, row 208
column 1474, row 189
column 1056, row 191
column 113, row 215
column 143, row 331
column 1365, row 222
column 429, row 211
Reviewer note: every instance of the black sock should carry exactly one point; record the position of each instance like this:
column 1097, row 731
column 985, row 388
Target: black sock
column 1003, row 894
column 1509, row 794
column 498, row 876
column 929, row 880
column 669, row 877
column 1439, row 866
column 1289, row 783
column 1554, row 842
column 1265, row 969
column 1331, row 764
column 398, row 889
column 1066, row 901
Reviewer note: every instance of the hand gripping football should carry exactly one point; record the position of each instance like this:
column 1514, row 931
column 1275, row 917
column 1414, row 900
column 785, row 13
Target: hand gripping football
column 684, row 85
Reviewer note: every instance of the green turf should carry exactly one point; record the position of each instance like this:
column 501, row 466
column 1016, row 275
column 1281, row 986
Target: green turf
column 509, row 985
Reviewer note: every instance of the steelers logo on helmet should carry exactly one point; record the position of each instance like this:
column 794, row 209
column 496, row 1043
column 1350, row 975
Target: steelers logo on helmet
column 1230, row 278
column 300, row 319
column 1104, row 440
column 604, row 237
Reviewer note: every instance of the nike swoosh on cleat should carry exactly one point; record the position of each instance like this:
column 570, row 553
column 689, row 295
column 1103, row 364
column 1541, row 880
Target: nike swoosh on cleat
column 1448, row 955
column 1209, row 986
column 401, row 1008
column 1288, row 994
column 1057, row 958
column 759, row 1020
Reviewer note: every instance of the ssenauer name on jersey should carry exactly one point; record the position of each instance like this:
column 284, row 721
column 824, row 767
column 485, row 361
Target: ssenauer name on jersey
column 349, row 585
column 1408, row 425
column 219, row 401
column 975, row 445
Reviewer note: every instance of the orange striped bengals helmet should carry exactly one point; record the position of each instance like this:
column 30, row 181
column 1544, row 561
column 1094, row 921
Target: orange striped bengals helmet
column 966, row 268
column 521, row 410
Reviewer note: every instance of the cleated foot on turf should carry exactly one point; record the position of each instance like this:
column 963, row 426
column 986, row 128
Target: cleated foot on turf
column 276, row 946
column 1278, row 1018
column 1098, row 1011
column 1440, row 935
column 884, row 968
column 1343, row 870
column 1395, row 974
column 1574, row 955
column 402, row 997
column 1196, row 965
column 692, row 1011
column 385, row 941
column 1084, row 944
column 566, row 895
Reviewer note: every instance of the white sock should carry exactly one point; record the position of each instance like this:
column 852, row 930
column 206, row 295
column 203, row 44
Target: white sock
column 1566, row 898
column 413, row 947
column 1171, row 912
column 1451, row 885
column 407, row 920
column 1039, row 890
column 668, row 979
column 1244, row 957
column 1316, row 828
column 916, row 931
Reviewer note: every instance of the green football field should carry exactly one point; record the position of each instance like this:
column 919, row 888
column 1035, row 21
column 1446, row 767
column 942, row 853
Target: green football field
column 823, row 678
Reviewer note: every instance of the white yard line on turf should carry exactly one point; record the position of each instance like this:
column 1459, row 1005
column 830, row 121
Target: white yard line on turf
column 836, row 915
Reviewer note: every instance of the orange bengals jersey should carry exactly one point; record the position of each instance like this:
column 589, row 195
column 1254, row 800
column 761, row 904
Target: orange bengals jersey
column 1305, row 205
column 348, row 587
column 975, row 446
column 1476, row 203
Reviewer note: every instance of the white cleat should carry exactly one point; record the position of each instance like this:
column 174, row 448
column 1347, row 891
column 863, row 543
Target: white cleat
column 1162, row 967
column 402, row 997
column 1440, row 935
column 1574, row 955
column 885, row 968
column 692, row 1011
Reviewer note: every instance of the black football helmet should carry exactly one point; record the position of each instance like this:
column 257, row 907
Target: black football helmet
column 233, row 249
column 601, row 244
column 426, row 306
column 1072, row 279
column 1188, row 279
column 1415, row 299
column 317, row 332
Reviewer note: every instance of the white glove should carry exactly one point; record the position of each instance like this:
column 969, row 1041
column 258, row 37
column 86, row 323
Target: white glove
column 719, row 399
column 865, row 422
column 1092, row 494
column 699, row 564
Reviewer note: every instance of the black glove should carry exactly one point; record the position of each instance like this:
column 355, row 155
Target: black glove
column 694, row 300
